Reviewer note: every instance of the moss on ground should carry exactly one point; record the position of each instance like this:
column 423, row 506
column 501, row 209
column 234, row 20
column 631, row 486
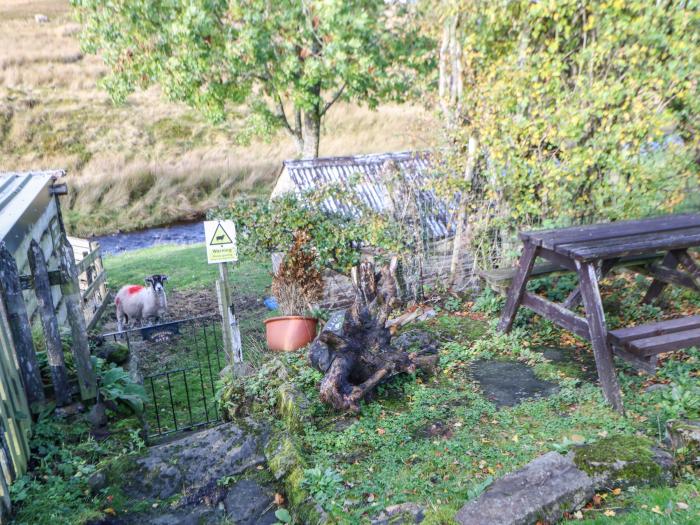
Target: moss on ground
column 628, row 460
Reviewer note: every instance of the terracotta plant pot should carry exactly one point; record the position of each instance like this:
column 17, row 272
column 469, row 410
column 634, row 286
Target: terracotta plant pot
column 290, row 332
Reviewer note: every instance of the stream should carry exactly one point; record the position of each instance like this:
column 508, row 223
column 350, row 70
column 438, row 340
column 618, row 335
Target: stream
column 185, row 233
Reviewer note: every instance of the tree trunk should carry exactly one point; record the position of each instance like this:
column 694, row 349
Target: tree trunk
column 354, row 349
column 311, row 133
column 450, row 82
column 459, row 239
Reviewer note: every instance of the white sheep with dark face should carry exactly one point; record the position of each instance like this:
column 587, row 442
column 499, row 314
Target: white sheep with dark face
column 135, row 302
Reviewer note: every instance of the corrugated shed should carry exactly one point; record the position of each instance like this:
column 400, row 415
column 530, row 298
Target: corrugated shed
column 380, row 181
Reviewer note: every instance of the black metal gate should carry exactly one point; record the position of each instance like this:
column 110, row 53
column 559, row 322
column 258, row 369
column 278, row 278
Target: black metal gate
column 180, row 363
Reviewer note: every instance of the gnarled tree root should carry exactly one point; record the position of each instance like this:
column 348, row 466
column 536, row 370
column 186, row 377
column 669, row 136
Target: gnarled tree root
column 354, row 349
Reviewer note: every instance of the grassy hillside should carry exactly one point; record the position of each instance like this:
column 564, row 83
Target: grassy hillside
column 150, row 161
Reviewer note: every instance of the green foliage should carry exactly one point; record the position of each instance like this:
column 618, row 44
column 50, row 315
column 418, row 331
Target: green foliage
column 584, row 111
column 116, row 385
column 681, row 398
column 55, row 490
column 269, row 226
column 452, row 304
column 275, row 57
column 283, row 516
column 489, row 302
column 324, row 485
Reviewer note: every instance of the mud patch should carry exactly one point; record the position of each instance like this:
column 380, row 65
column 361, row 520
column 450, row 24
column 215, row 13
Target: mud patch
column 435, row 430
column 507, row 383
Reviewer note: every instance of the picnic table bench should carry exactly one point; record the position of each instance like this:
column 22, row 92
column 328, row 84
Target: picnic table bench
column 592, row 251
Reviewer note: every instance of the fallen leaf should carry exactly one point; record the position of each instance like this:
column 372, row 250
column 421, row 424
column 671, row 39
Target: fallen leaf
column 617, row 491
column 609, row 512
column 515, row 438
column 110, row 511
column 681, row 505
column 577, row 438
column 578, row 515
column 279, row 499
column 597, row 500
column 381, row 431
column 656, row 510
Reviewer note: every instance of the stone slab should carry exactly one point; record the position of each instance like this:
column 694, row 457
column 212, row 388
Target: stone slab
column 542, row 490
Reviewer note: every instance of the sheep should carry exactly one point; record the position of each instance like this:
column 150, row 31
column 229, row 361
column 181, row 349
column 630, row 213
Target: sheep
column 141, row 302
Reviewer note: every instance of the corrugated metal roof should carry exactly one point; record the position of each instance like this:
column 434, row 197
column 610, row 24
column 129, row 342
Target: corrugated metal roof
column 371, row 177
column 23, row 195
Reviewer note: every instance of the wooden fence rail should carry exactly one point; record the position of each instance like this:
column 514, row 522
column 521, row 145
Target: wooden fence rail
column 92, row 278
column 15, row 417
column 81, row 277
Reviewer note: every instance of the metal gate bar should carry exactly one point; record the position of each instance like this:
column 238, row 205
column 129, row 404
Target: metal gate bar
column 165, row 384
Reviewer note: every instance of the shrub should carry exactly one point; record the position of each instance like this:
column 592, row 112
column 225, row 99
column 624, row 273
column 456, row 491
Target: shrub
column 298, row 282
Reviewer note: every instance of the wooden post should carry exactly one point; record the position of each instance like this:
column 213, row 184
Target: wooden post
column 689, row 264
column 517, row 287
column 574, row 298
column 71, row 295
column 231, row 333
column 602, row 351
column 657, row 287
column 49, row 322
column 11, row 295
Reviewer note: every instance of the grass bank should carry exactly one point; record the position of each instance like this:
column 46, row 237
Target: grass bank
column 149, row 162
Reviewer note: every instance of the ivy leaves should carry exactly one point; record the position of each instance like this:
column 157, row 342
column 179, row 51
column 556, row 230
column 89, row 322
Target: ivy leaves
column 586, row 111
column 336, row 239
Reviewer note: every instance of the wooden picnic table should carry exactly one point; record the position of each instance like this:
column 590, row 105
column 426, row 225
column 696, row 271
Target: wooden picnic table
column 592, row 251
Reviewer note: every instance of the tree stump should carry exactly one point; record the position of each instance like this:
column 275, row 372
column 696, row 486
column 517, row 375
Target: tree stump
column 354, row 349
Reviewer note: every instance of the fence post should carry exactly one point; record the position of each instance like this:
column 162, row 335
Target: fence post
column 231, row 333
column 11, row 294
column 54, row 348
column 71, row 295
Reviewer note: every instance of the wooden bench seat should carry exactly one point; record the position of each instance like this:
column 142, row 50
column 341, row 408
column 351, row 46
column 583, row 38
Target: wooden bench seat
column 641, row 344
column 500, row 278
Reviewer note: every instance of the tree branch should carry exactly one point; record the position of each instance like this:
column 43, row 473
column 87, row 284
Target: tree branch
column 333, row 100
column 282, row 115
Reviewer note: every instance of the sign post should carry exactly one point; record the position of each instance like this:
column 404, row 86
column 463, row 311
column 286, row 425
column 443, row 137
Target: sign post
column 220, row 240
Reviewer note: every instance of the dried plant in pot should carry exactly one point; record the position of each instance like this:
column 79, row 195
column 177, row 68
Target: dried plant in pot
column 297, row 284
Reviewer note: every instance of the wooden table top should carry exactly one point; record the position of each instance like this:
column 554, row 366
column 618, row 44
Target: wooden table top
column 619, row 239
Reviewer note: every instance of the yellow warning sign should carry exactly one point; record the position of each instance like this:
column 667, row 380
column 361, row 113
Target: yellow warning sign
column 220, row 236
column 220, row 240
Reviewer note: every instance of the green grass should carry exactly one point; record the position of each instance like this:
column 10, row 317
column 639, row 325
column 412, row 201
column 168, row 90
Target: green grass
column 186, row 397
column 439, row 442
column 186, row 268
column 651, row 506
